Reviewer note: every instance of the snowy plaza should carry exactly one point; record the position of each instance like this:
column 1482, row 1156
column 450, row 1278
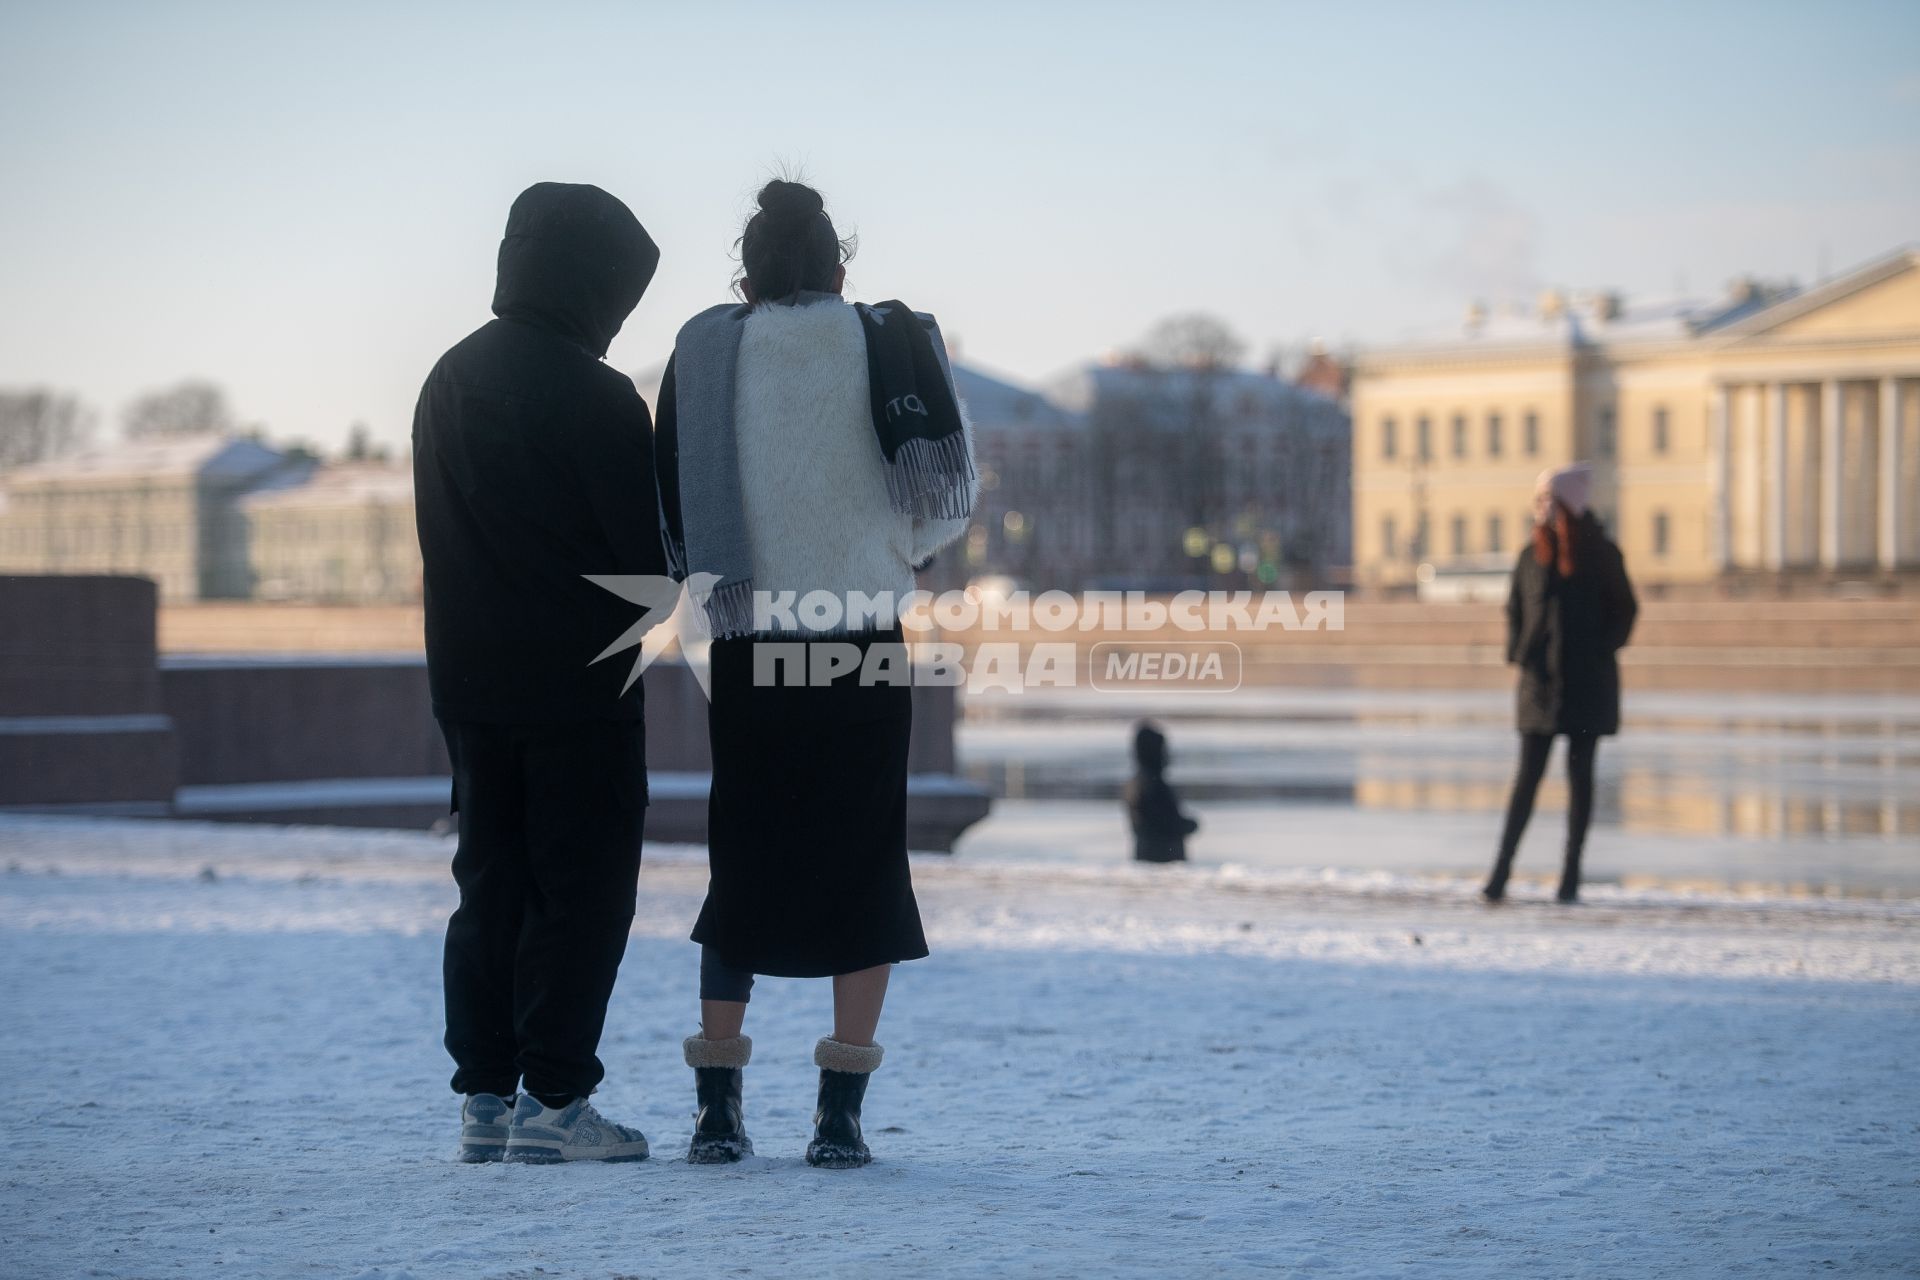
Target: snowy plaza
column 1115, row 1071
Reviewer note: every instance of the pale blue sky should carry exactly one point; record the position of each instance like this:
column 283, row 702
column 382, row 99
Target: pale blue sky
column 302, row 201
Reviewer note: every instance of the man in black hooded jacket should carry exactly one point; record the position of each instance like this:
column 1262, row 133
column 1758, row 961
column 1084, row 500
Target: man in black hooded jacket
column 533, row 467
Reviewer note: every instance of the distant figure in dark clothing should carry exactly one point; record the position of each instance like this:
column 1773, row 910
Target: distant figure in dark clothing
column 1160, row 829
column 1570, row 609
column 533, row 466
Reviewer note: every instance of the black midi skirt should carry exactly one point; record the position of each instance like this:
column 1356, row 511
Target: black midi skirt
column 807, row 819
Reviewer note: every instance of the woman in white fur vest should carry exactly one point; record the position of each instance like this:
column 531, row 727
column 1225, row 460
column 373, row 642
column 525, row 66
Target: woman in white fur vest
column 811, row 455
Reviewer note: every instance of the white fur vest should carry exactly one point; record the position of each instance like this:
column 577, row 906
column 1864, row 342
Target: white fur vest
column 812, row 477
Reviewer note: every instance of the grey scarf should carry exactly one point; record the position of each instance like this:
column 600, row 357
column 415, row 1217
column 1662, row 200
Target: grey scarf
column 920, row 480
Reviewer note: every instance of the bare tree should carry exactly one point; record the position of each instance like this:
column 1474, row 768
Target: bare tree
column 1196, row 350
column 1196, row 341
column 39, row 424
column 187, row 408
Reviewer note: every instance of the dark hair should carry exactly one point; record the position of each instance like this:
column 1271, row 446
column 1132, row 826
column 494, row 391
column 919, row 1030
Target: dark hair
column 790, row 244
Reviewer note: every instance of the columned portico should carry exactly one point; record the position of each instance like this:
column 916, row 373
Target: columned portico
column 1832, row 472
column 1775, row 399
column 1793, row 502
column 1721, row 443
column 1893, row 500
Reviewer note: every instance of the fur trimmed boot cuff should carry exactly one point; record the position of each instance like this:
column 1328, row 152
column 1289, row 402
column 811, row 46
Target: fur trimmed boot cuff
column 702, row 1052
column 854, row 1059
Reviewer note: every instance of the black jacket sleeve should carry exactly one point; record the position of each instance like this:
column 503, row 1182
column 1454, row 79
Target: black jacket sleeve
column 1622, row 607
column 1515, row 611
column 615, row 460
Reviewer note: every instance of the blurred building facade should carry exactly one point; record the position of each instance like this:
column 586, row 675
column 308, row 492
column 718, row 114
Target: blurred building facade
column 1034, row 518
column 1772, row 432
column 346, row 536
column 169, row 510
column 1124, row 473
column 1133, row 475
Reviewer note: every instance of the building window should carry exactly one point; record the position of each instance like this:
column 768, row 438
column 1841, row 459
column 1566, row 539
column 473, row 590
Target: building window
column 1530, row 433
column 1493, row 435
column 1423, row 438
column 1420, row 537
column 1389, row 538
column 1494, row 535
column 1660, row 533
column 1459, row 531
column 1459, row 435
column 1660, row 429
column 1603, row 437
column 1389, row 438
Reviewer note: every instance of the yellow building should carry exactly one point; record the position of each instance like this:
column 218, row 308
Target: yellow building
column 1776, row 431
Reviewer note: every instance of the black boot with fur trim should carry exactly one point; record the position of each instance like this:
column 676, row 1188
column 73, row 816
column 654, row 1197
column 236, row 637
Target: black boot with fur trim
column 844, row 1069
column 720, row 1128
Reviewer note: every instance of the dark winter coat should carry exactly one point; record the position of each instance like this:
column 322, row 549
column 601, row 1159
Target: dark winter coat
column 1160, row 829
column 533, row 465
column 1563, row 632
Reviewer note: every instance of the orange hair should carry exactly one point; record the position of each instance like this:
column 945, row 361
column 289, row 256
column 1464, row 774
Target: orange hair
column 1553, row 541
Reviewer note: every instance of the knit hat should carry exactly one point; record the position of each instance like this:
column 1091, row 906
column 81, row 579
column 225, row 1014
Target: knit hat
column 1569, row 485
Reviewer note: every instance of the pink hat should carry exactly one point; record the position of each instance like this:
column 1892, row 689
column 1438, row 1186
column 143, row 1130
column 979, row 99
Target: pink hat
column 1569, row 485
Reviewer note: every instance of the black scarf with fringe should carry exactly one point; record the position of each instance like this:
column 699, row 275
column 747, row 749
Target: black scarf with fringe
column 929, row 468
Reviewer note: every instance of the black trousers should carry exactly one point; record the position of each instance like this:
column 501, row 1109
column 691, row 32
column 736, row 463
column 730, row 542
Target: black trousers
column 547, row 866
column 1534, row 750
column 721, row 981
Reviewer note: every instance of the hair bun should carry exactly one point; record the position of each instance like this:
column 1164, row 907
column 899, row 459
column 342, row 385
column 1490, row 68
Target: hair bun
column 784, row 201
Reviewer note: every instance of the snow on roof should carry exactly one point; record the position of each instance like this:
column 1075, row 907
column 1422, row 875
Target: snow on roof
column 345, row 484
column 1236, row 389
column 1764, row 313
column 212, row 455
column 1560, row 319
column 1569, row 323
column 995, row 402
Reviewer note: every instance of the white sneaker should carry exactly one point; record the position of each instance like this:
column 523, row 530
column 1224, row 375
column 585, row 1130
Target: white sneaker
column 544, row 1135
column 483, row 1127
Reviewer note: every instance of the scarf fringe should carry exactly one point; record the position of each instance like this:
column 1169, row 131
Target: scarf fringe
column 729, row 609
column 932, row 479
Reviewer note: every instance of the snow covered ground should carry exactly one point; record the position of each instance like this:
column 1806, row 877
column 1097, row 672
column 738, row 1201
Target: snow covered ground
column 224, row 1042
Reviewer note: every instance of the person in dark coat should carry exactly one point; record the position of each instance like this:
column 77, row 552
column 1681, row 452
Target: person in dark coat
column 782, row 477
column 1160, row 828
column 532, row 467
column 1570, row 609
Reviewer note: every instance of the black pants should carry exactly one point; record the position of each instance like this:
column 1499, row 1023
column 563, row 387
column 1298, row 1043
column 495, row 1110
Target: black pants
column 721, row 981
column 1534, row 749
column 549, row 857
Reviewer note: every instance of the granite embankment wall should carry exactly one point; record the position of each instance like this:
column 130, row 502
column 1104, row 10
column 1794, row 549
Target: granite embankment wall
column 1780, row 646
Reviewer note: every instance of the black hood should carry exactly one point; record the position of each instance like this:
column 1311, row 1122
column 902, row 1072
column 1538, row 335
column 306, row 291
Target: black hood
column 575, row 260
column 1150, row 749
